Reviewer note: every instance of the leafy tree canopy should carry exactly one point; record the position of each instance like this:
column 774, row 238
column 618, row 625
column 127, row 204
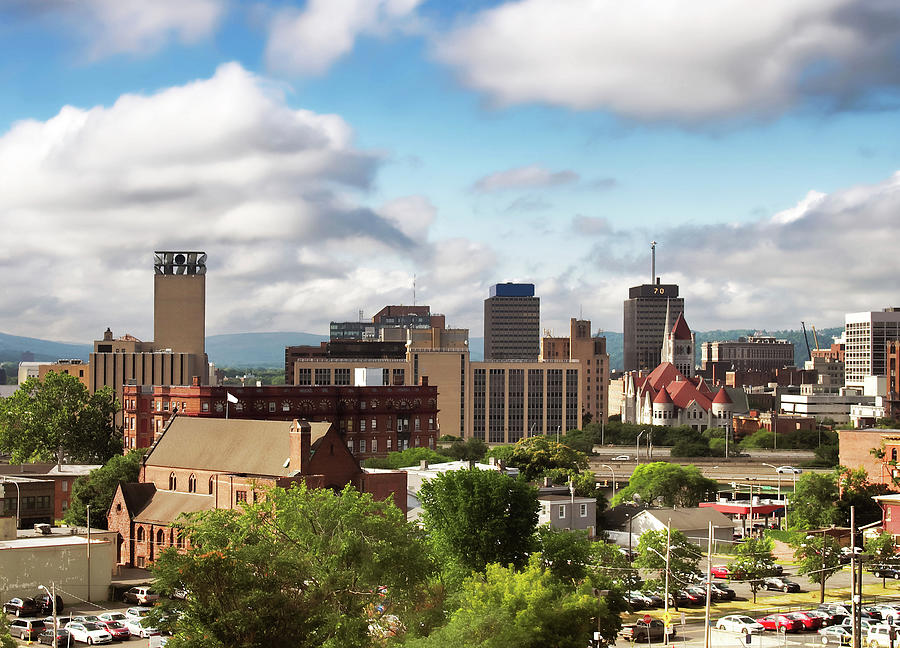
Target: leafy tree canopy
column 611, row 569
column 98, row 488
column 58, row 418
column 567, row 554
column 302, row 567
column 536, row 455
column 6, row 639
column 405, row 458
column 528, row 609
column 753, row 561
column 478, row 517
column 808, row 553
column 677, row 485
column 468, row 450
column 813, row 503
column 856, row 490
column 683, row 555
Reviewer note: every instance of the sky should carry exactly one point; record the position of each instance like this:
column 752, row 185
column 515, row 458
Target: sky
column 331, row 155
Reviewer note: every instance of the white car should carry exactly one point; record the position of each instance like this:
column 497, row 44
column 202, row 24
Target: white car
column 87, row 632
column 621, row 458
column 788, row 470
column 112, row 616
column 136, row 628
column 740, row 623
column 879, row 636
column 134, row 613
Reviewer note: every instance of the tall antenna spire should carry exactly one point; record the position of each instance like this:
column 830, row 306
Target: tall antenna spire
column 414, row 290
column 653, row 262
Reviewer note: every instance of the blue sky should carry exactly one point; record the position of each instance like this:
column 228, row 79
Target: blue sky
column 323, row 153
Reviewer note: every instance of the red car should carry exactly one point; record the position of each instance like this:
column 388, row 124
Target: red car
column 720, row 572
column 809, row 621
column 116, row 629
column 779, row 621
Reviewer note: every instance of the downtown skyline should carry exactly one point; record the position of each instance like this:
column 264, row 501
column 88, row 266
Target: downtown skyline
column 325, row 153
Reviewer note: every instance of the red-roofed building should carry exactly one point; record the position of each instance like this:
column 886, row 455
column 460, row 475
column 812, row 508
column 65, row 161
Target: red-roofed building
column 666, row 396
column 678, row 346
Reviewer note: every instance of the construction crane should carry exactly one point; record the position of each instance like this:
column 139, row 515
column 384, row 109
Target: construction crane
column 806, row 339
column 816, row 337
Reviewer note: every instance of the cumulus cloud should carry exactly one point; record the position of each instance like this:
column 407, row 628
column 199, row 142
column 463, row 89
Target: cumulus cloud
column 526, row 177
column 828, row 255
column 110, row 27
column 276, row 195
column 308, row 42
column 683, row 61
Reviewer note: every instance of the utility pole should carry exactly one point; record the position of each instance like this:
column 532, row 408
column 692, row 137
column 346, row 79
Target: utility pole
column 88, row 507
column 708, row 585
column 854, row 609
column 822, row 573
column 666, row 613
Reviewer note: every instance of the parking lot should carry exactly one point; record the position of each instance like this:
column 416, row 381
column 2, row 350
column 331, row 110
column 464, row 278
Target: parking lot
column 76, row 610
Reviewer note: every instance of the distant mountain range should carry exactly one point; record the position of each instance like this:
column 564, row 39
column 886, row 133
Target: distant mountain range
column 267, row 349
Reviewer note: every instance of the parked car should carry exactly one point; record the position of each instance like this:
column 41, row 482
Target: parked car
column 783, row 584
column 838, row 635
column 27, row 629
column 692, row 596
column 644, row 632
column 21, row 607
column 138, row 612
column 720, row 571
column 656, row 599
column 775, row 569
column 698, row 591
column 740, row 623
column 45, row 603
column 63, row 638
column 725, row 593
column 779, row 621
column 141, row 595
column 87, row 632
column 645, row 600
column 635, row 602
column 865, row 624
column 61, row 621
column 621, row 458
column 113, row 616
column 788, row 470
column 886, row 571
column 827, row 617
column 86, row 618
column 118, row 630
column 809, row 621
column 137, row 628
column 880, row 635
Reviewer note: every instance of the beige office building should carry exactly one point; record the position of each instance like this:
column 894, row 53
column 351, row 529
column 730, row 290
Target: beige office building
column 591, row 353
column 498, row 401
column 178, row 352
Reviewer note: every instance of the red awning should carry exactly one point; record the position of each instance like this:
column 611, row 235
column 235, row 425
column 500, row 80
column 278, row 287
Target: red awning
column 743, row 509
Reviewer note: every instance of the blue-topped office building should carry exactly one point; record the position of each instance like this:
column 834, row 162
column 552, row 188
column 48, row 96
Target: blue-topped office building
column 512, row 322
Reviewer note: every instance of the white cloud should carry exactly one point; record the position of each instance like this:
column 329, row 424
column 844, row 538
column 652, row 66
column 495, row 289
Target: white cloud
column 109, row 27
column 527, row 177
column 308, row 42
column 678, row 60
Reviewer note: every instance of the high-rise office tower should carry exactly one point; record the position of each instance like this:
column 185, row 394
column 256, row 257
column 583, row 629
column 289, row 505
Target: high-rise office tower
column 645, row 319
column 512, row 322
column 179, row 301
column 867, row 335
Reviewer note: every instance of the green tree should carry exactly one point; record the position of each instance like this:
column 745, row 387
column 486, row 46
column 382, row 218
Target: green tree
column 753, row 562
column 809, row 555
column 6, row 639
column 883, row 550
column 676, row 485
column 406, row 458
column 536, row 455
column 301, row 567
column 813, row 504
column 98, row 488
column 478, row 517
column 611, row 569
column 528, row 609
column 683, row 556
column 472, row 449
column 856, row 490
column 567, row 554
column 58, row 418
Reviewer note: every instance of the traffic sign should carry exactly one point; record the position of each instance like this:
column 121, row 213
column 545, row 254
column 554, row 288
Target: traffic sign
column 667, row 618
column 647, row 618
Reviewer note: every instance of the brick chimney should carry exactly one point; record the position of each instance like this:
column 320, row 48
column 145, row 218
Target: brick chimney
column 300, row 442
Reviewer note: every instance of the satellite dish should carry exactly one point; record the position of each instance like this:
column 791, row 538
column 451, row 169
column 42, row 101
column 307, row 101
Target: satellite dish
column 636, row 498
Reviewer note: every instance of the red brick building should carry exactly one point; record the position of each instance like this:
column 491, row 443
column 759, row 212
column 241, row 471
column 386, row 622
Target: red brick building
column 373, row 421
column 876, row 450
column 781, row 424
column 62, row 476
column 892, row 370
column 205, row 464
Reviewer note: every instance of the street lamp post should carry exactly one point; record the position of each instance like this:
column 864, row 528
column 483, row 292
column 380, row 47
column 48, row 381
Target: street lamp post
column 18, row 499
column 52, row 595
column 637, row 446
column 778, row 475
column 613, row 476
column 88, row 507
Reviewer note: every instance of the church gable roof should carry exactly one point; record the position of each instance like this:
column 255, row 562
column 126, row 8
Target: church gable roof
column 664, row 374
column 681, row 331
column 662, row 398
column 683, row 393
column 722, row 398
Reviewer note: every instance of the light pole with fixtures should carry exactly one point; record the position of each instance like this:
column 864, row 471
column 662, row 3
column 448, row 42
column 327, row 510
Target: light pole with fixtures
column 52, row 595
column 637, row 446
column 613, row 476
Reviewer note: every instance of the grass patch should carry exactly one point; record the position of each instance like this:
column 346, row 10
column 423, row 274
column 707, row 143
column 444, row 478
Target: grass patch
column 788, row 537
